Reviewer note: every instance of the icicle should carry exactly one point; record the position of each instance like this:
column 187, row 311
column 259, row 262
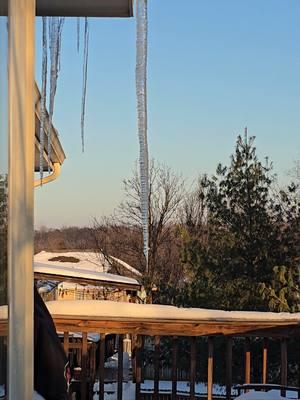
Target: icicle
column 60, row 26
column 141, row 93
column 78, row 33
column 55, row 31
column 84, row 79
column 43, row 98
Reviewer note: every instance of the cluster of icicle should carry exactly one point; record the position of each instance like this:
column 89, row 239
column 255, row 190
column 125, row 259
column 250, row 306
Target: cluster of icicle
column 55, row 34
column 141, row 93
column 52, row 32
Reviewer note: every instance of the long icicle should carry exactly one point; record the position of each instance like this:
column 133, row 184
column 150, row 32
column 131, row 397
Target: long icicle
column 84, row 79
column 55, row 31
column 60, row 27
column 78, row 33
column 141, row 94
column 43, row 98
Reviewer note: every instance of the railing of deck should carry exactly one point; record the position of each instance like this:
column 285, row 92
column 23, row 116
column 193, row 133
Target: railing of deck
column 89, row 373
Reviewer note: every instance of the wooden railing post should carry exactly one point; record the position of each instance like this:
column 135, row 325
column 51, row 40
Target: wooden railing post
column 66, row 343
column 92, row 353
column 138, row 361
column 174, row 367
column 265, row 361
column 133, row 356
column 84, row 366
column 193, row 368
column 79, row 352
column 228, row 367
column 210, row 368
column 156, row 367
column 247, row 361
column 101, row 366
column 298, row 363
column 283, row 348
column 120, row 367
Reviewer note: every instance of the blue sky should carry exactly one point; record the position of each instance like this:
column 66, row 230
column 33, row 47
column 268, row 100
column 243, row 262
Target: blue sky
column 215, row 67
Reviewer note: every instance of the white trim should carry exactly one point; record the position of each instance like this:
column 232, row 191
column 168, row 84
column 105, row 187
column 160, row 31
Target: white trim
column 20, row 193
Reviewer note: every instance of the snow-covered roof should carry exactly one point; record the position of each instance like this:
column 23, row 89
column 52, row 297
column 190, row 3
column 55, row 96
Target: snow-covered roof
column 67, row 273
column 90, row 260
column 126, row 266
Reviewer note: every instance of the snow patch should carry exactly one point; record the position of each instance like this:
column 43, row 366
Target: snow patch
column 255, row 395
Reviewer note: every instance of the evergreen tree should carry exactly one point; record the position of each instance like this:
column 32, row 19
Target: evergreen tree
column 283, row 292
column 244, row 235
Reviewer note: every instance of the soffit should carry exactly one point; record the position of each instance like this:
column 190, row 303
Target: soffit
column 80, row 8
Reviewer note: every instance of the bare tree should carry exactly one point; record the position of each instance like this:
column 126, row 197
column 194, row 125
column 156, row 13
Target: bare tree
column 295, row 171
column 113, row 239
column 121, row 234
column 194, row 211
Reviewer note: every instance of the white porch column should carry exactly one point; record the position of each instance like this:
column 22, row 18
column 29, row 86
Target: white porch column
column 20, row 192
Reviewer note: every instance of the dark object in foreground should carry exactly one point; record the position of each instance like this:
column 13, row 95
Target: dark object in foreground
column 50, row 361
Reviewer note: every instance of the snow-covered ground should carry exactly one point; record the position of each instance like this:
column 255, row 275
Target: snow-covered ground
column 184, row 388
column 271, row 395
column 110, row 389
column 165, row 387
column 148, row 386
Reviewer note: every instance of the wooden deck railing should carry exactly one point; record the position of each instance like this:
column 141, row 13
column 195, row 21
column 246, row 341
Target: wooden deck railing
column 281, row 331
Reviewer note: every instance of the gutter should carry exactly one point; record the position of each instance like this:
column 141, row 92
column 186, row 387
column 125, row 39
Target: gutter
column 55, row 174
column 57, row 155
